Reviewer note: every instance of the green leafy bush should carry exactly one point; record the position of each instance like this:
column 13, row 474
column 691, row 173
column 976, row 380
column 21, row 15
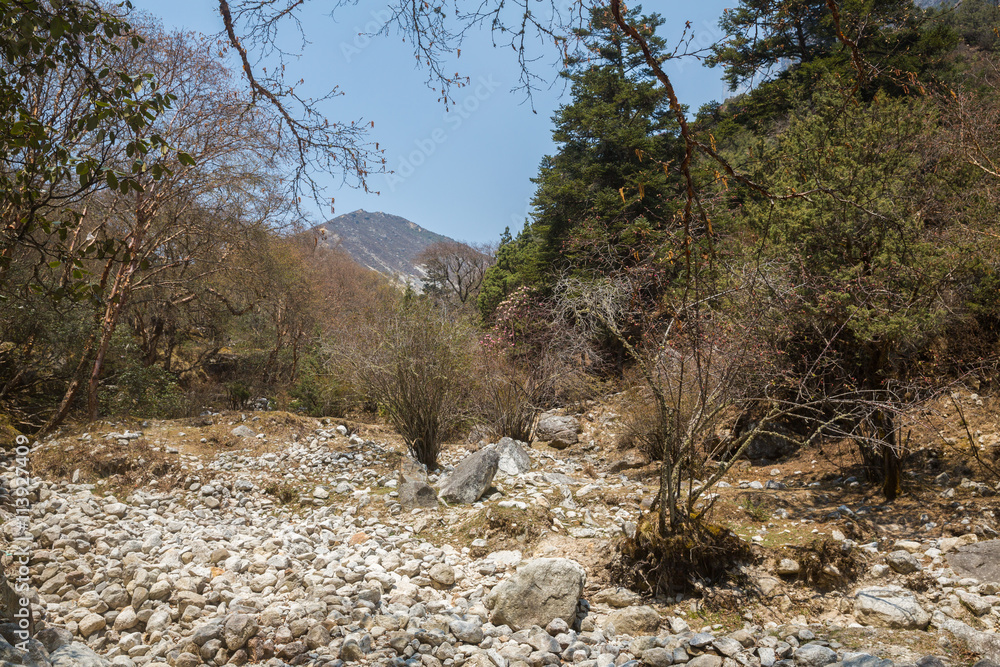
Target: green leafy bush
column 143, row 391
column 320, row 391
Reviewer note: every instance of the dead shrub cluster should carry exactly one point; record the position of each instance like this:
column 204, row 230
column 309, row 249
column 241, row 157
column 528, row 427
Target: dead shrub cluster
column 827, row 565
column 414, row 365
column 283, row 493
column 508, row 399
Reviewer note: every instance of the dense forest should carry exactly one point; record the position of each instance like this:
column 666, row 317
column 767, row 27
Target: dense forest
column 815, row 254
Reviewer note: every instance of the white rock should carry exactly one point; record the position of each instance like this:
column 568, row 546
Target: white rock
column 890, row 606
column 126, row 619
column 91, row 623
column 788, row 567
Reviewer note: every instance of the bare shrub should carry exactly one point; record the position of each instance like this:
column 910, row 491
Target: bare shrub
column 532, row 360
column 640, row 428
column 692, row 373
column 827, row 565
column 716, row 358
column 414, row 365
column 508, row 399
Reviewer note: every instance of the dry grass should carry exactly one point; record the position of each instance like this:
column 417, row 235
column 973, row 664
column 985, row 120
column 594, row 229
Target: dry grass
column 757, row 506
column 720, row 606
column 8, row 434
column 124, row 466
column 279, row 427
column 506, row 528
column 901, row 643
column 920, row 582
column 616, row 498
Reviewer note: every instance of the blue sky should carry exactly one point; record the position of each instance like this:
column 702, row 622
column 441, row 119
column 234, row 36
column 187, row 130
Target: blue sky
column 463, row 173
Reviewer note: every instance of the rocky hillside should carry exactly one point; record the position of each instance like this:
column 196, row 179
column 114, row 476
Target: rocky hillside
column 380, row 241
column 286, row 541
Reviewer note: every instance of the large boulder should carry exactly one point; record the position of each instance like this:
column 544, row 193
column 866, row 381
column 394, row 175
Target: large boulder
column 543, row 590
column 77, row 655
column 559, row 431
column 635, row 621
column 513, row 459
column 417, row 494
column 890, row 606
column 980, row 561
column 471, row 477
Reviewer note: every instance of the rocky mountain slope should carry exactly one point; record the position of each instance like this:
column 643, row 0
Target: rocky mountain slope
column 380, row 241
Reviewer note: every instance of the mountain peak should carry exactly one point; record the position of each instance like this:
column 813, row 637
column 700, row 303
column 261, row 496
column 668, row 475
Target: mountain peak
column 381, row 241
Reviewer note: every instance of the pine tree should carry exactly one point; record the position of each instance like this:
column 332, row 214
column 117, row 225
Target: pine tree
column 769, row 39
column 607, row 190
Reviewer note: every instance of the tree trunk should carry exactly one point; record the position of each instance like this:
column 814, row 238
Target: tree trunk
column 879, row 448
column 892, row 462
column 77, row 378
column 107, row 331
column 116, row 302
column 270, row 370
column 67, row 400
column 295, row 356
column 803, row 46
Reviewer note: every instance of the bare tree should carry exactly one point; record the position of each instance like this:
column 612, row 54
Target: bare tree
column 704, row 366
column 161, row 225
column 321, row 146
column 455, row 270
